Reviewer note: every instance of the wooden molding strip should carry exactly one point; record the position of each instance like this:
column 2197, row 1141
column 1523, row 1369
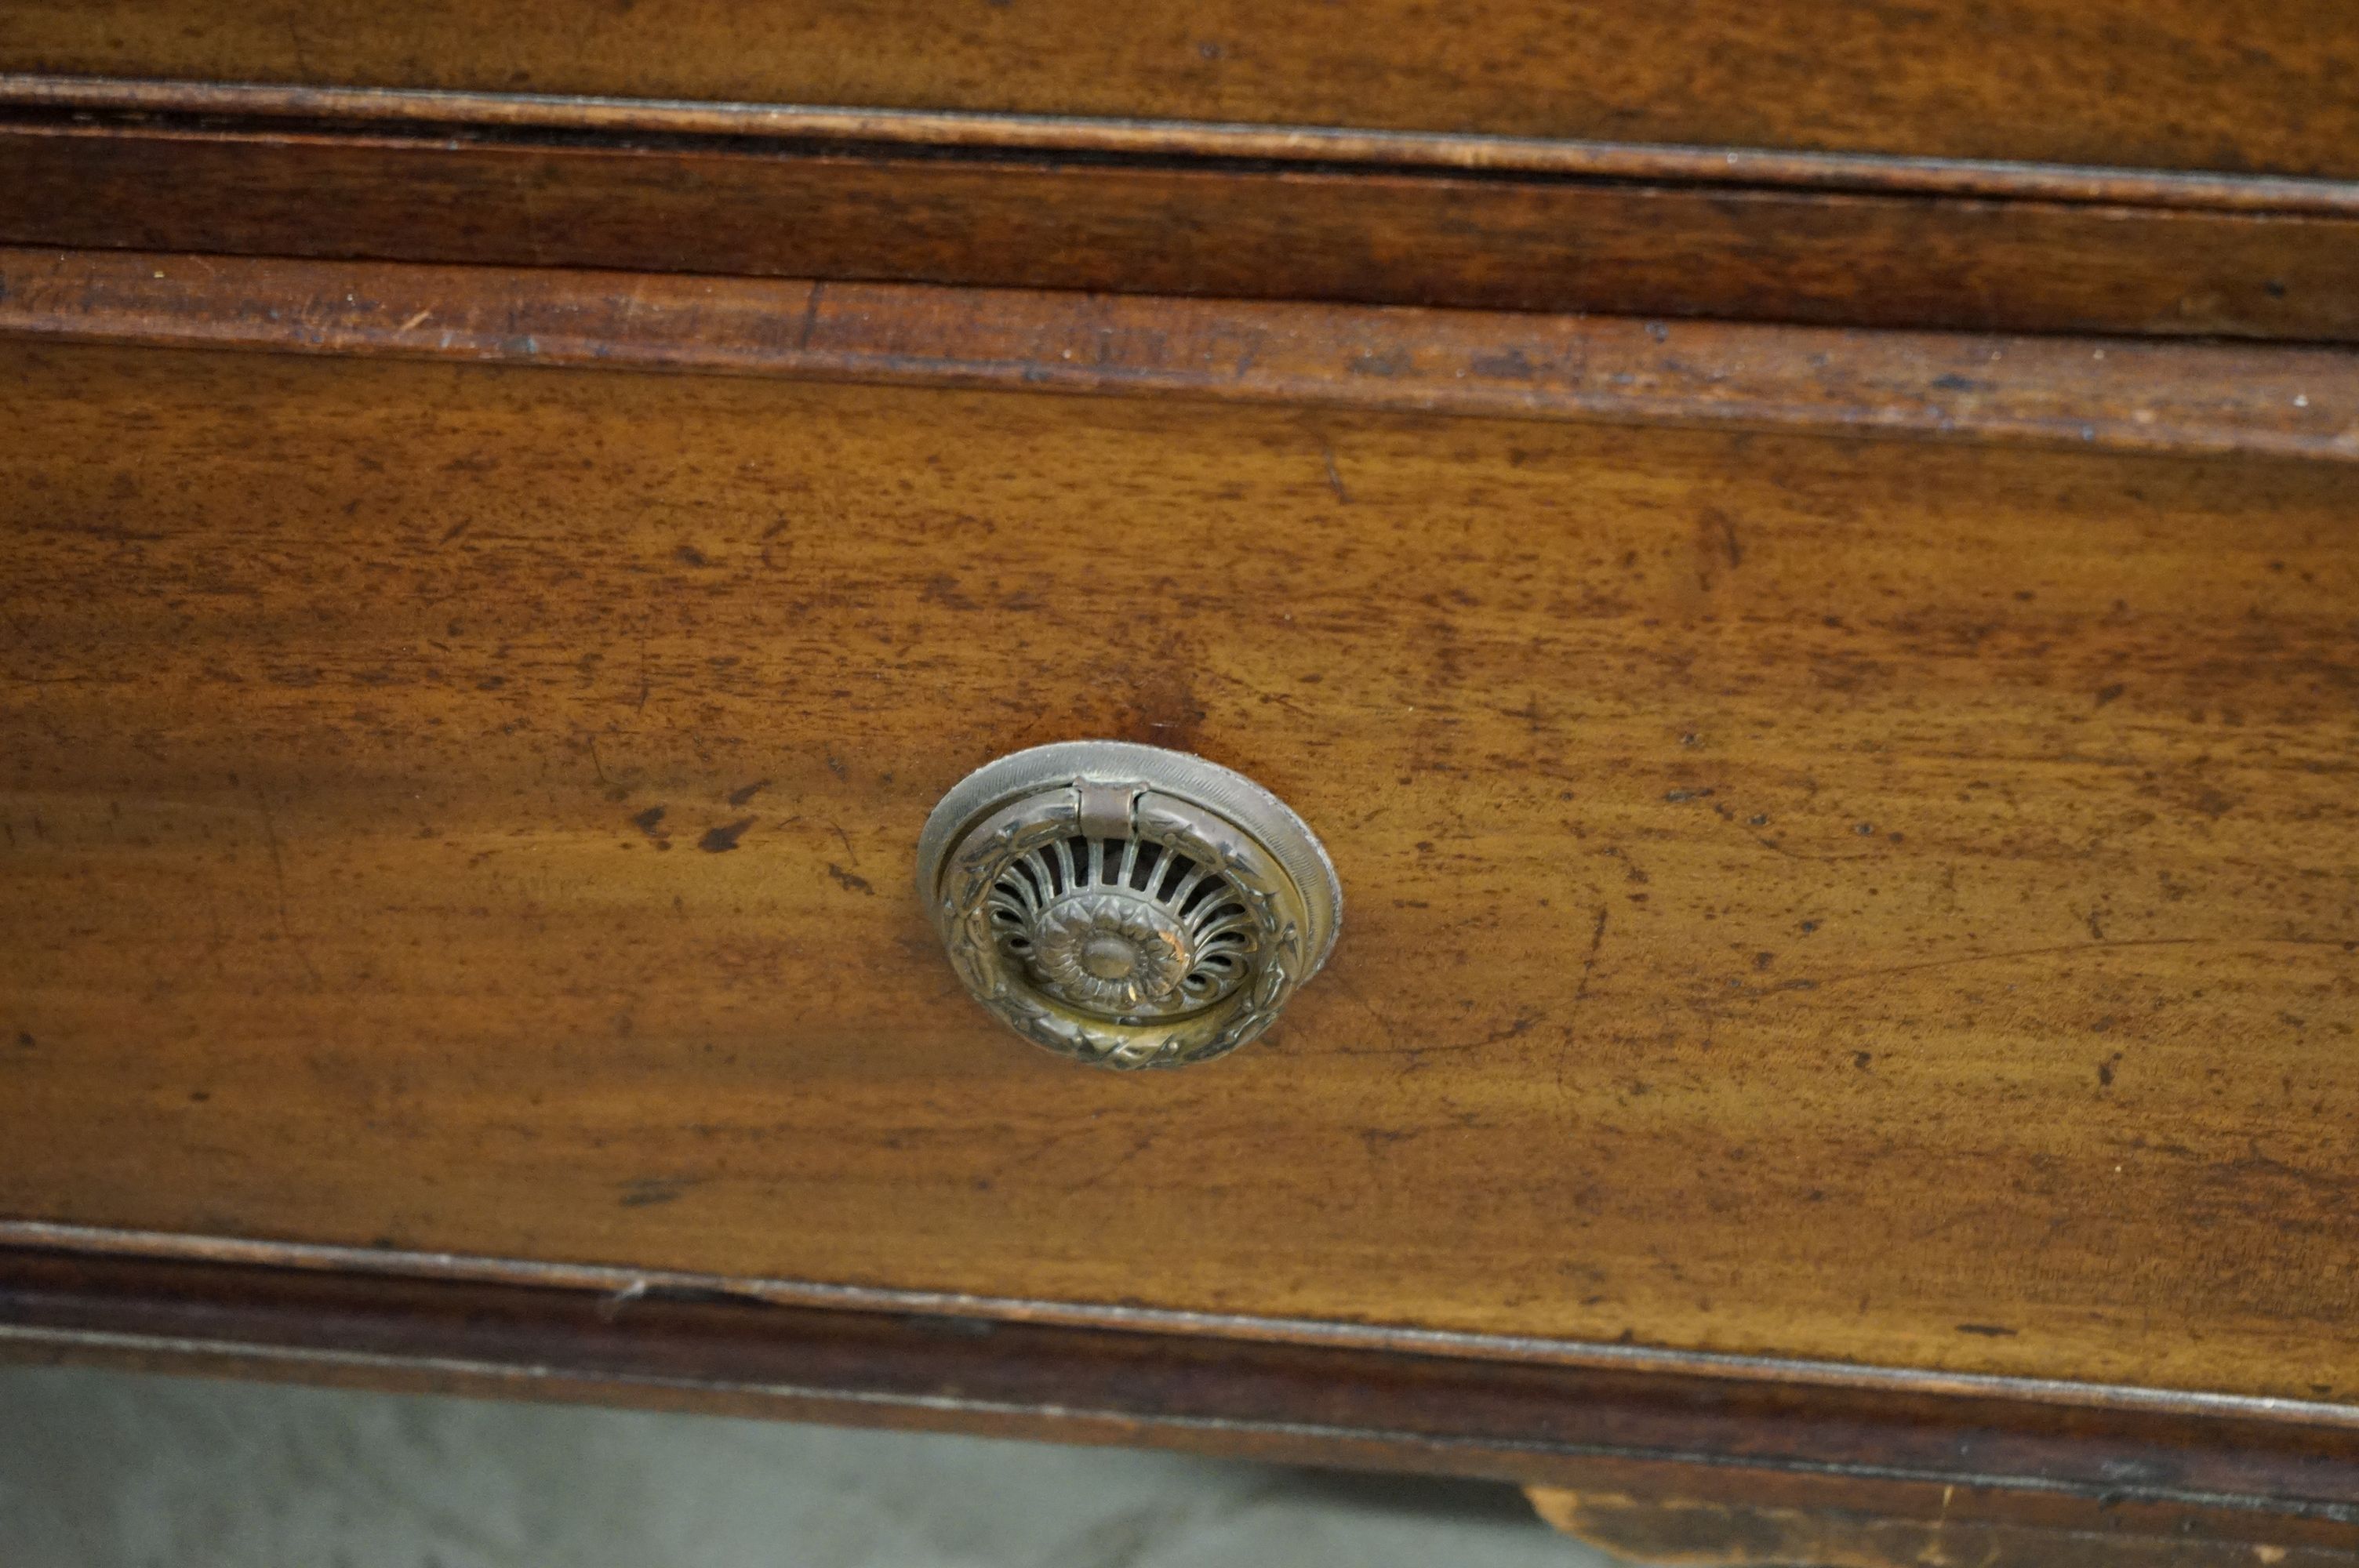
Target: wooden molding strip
column 666, row 1344
column 1209, row 211
column 442, row 112
column 629, row 1284
column 2101, row 395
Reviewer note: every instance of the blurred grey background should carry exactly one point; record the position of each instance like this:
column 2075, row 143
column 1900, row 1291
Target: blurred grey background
column 113, row 1470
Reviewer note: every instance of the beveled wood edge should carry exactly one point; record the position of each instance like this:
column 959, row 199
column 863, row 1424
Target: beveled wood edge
column 433, row 112
column 2098, row 393
column 687, row 1349
column 625, row 1283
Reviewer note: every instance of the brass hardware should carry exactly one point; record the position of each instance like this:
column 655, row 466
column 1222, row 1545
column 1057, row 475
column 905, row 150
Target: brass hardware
column 1126, row 906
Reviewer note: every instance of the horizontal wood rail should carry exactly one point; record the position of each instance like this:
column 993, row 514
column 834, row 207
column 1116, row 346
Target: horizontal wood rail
column 2290, row 402
column 431, row 113
column 2270, row 1476
column 1179, row 209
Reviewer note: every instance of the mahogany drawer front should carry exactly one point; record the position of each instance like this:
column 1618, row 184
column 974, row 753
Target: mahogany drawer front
column 1864, row 900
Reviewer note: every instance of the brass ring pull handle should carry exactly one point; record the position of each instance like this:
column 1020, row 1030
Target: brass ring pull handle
column 1125, row 905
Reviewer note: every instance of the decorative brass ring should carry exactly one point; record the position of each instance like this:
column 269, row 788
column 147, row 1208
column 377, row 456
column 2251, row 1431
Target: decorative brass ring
column 1125, row 905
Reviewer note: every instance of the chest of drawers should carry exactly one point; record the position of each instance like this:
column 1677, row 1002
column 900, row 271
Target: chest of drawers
column 1837, row 759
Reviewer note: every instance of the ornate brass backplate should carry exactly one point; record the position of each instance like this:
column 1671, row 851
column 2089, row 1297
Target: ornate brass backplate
column 1125, row 905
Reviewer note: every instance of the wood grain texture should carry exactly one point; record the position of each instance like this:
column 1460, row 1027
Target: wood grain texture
column 2147, row 83
column 1869, row 900
column 1640, row 1435
column 1183, row 225
column 2094, row 393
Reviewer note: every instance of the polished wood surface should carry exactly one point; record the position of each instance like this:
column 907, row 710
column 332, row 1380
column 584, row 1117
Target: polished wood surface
column 1179, row 210
column 2089, row 393
column 2156, row 84
column 1862, row 899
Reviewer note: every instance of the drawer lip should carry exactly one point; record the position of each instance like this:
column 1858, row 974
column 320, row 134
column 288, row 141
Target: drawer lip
column 428, row 1322
column 2086, row 394
column 625, row 1282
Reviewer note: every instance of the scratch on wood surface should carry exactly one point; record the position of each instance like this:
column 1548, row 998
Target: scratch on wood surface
column 1334, row 476
column 811, row 315
column 279, row 877
column 1570, row 1032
